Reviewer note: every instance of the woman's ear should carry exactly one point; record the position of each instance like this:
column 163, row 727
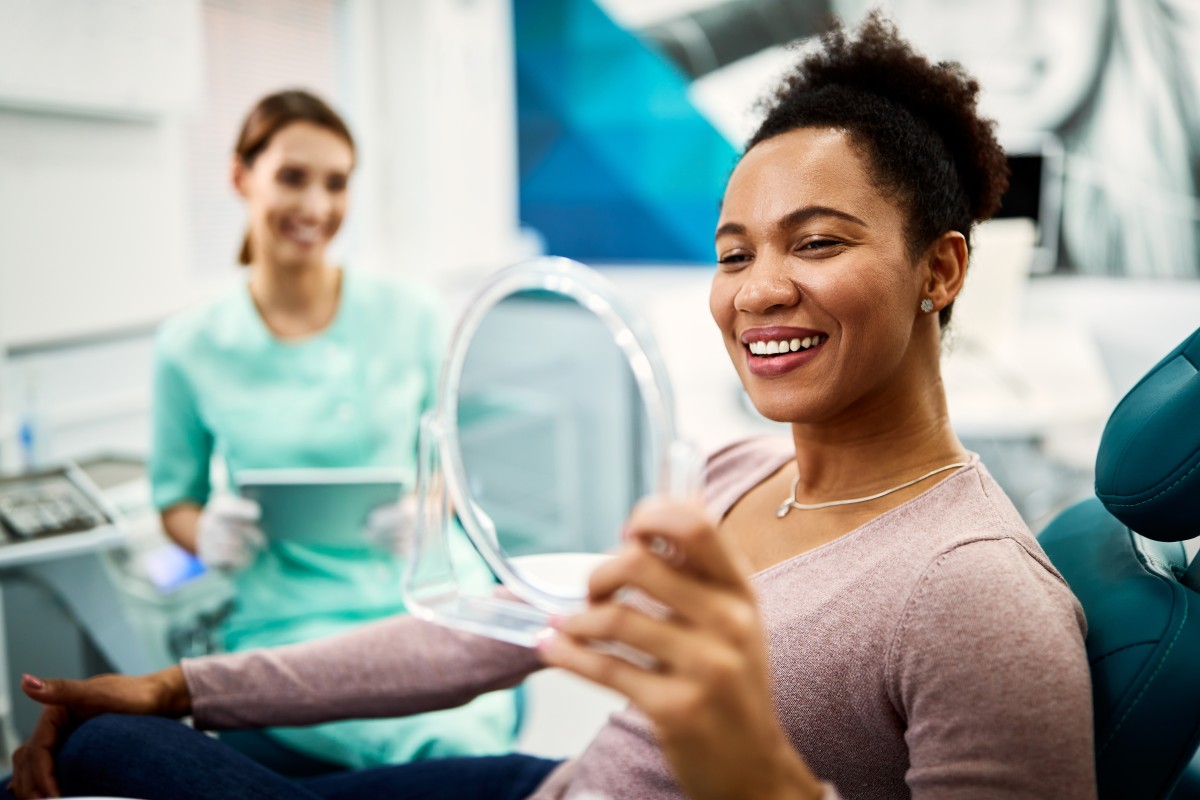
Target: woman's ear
column 946, row 265
column 239, row 175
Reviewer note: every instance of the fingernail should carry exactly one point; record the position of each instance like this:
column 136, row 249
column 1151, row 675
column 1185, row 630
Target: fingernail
column 544, row 641
column 33, row 683
column 555, row 621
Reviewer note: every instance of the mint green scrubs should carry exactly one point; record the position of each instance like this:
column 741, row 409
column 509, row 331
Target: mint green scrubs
column 348, row 396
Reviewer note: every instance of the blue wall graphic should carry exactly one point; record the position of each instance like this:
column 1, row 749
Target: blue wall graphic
column 616, row 164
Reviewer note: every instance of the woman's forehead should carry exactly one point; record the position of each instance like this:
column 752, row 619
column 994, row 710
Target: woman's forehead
column 807, row 166
column 306, row 142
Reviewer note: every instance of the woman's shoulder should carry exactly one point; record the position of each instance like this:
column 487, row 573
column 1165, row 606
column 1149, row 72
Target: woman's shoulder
column 969, row 510
column 978, row 550
column 988, row 592
column 391, row 295
column 213, row 320
column 736, row 468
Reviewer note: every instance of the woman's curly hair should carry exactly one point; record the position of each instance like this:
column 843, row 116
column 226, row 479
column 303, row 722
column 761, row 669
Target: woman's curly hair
column 915, row 121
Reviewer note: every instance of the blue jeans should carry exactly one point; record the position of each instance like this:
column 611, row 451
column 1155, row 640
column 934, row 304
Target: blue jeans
column 151, row 758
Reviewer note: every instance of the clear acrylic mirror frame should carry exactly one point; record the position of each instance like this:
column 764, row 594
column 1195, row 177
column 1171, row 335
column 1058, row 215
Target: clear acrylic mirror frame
column 432, row 587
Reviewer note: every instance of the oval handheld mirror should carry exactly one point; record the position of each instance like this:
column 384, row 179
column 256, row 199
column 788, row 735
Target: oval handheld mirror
column 553, row 418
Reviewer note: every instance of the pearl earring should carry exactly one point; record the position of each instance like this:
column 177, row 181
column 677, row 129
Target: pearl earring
column 927, row 305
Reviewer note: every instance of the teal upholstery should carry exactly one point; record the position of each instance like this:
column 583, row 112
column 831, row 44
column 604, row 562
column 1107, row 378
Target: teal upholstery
column 1148, row 467
column 1121, row 555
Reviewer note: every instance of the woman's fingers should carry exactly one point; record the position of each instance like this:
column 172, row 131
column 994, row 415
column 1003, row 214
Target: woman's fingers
column 660, row 639
column 613, row 672
column 33, row 762
column 42, row 773
column 51, row 691
column 66, row 703
column 84, row 698
column 157, row 693
column 683, row 535
column 728, row 611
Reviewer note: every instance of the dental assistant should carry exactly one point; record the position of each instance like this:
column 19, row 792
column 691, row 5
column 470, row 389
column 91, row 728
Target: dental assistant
column 305, row 365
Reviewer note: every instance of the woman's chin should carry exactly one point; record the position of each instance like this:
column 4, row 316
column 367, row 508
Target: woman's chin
column 296, row 257
column 777, row 409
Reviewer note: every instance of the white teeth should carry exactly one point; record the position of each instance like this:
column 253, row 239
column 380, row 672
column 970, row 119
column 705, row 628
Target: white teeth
column 305, row 233
column 761, row 348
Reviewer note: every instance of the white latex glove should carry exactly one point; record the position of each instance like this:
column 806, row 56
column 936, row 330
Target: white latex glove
column 391, row 527
column 227, row 535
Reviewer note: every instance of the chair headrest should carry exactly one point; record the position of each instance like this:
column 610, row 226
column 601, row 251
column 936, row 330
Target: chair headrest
column 1148, row 467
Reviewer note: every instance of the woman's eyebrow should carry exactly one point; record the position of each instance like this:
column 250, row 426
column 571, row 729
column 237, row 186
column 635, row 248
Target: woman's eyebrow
column 806, row 213
column 792, row 219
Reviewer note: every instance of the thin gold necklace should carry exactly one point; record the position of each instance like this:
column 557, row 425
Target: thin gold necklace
column 791, row 503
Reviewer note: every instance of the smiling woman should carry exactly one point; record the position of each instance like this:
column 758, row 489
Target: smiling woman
column 900, row 635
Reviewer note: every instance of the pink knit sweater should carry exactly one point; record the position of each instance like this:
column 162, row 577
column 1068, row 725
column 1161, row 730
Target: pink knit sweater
column 933, row 652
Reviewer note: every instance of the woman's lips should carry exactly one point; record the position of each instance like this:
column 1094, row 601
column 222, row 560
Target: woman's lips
column 305, row 235
column 777, row 350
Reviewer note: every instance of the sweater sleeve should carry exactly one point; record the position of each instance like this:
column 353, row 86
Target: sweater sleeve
column 390, row 668
column 989, row 672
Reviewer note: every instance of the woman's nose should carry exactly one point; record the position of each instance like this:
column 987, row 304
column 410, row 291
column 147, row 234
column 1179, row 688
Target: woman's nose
column 315, row 201
column 768, row 285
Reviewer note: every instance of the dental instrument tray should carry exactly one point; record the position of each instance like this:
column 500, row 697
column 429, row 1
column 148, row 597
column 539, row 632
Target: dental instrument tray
column 325, row 507
column 46, row 503
column 53, row 513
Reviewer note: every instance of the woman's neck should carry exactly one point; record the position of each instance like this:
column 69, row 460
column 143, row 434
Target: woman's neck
column 876, row 448
column 295, row 302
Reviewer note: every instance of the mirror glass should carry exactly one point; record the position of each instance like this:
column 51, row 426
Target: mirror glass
column 553, row 419
column 552, row 437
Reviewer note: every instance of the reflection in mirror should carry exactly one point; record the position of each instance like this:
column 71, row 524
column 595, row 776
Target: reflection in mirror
column 551, row 434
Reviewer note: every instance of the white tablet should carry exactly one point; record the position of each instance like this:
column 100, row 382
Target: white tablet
column 327, row 507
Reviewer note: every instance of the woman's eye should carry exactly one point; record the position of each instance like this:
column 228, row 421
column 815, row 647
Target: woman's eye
column 819, row 246
column 733, row 259
column 336, row 184
column 291, row 177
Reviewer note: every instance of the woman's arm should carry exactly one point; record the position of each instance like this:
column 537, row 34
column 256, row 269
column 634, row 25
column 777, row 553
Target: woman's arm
column 180, row 522
column 708, row 689
column 390, row 668
column 989, row 670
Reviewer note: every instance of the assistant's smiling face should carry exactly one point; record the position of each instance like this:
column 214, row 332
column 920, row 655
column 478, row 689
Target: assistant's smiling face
column 809, row 249
column 296, row 193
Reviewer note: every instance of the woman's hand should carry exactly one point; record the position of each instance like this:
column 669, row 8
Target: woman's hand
column 391, row 527
column 227, row 533
column 68, row 703
column 709, row 692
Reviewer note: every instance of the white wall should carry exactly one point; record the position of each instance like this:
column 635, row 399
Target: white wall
column 431, row 95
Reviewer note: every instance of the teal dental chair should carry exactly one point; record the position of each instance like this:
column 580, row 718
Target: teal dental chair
column 1122, row 555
